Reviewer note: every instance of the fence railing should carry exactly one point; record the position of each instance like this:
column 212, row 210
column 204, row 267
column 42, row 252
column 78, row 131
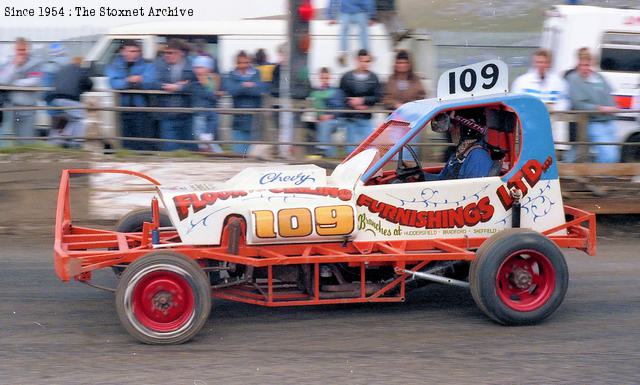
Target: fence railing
column 581, row 118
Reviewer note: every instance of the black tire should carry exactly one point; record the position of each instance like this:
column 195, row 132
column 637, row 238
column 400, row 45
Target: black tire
column 163, row 298
column 519, row 277
column 631, row 154
column 132, row 223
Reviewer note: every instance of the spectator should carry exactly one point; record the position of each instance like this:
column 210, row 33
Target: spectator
column 265, row 67
column 387, row 14
column 589, row 90
column 70, row 82
column 22, row 71
column 243, row 84
column 205, row 95
column 200, row 49
column 403, row 85
column 348, row 12
column 548, row 87
column 58, row 58
column 175, row 75
column 129, row 71
column 268, row 126
column 362, row 90
column 326, row 97
column 275, row 81
column 570, row 156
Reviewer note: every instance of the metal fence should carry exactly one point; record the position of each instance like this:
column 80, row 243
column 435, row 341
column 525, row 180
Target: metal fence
column 581, row 118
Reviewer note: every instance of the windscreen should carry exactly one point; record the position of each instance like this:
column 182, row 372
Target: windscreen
column 383, row 138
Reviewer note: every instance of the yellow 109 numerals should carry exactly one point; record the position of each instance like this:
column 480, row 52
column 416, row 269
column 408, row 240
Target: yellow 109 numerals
column 298, row 222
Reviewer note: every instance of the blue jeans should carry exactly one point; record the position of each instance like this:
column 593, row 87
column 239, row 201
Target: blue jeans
column 137, row 125
column 18, row 123
column 206, row 123
column 178, row 127
column 241, row 148
column 357, row 131
column 326, row 128
column 604, row 132
column 599, row 132
column 362, row 20
column 205, row 127
column 75, row 124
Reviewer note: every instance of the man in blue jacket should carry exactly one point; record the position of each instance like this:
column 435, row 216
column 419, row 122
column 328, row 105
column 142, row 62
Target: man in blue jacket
column 129, row 71
column 175, row 75
column 348, row 12
column 244, row 86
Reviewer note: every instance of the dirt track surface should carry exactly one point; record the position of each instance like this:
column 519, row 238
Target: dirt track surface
column 67, row 333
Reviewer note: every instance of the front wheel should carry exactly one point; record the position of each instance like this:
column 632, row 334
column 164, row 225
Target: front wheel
column 163, row 298
column 519, row 277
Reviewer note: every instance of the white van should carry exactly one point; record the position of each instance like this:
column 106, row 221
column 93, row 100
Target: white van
column 226, row 38
column 613, row 35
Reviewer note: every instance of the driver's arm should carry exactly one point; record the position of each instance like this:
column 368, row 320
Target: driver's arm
column 477, row 165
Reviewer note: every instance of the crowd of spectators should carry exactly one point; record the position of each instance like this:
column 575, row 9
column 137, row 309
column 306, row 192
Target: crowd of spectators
column 190, row 77
column 581, row 88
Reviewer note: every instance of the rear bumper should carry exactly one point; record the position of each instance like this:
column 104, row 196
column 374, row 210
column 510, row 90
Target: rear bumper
column 580, row 230
column 68, row 257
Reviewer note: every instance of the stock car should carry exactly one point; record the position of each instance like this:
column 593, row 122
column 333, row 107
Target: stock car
column 369, row 231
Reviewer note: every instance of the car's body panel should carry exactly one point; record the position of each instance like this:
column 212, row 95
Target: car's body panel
column 199, row 212
column 300, row 203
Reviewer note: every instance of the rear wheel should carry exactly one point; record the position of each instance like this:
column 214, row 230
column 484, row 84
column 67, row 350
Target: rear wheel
column 163, row 298
column 132, row 222
column 519, row 277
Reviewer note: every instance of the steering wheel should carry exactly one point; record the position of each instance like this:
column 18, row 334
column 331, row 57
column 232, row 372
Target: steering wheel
column 408, row 174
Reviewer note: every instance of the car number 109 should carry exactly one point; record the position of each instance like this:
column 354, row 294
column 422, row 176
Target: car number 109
column 300, row 222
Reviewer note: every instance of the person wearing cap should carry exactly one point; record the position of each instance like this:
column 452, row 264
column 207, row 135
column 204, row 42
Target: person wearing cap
column 174, row 74
column 205, row 92
column 129, row 71
column 22, row 70
column 471, row 159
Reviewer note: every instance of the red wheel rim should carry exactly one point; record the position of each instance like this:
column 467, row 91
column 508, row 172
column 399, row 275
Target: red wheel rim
column 526, row 280
column 163, row 301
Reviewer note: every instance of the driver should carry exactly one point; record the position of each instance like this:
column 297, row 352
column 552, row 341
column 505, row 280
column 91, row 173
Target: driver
column 471, row 159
